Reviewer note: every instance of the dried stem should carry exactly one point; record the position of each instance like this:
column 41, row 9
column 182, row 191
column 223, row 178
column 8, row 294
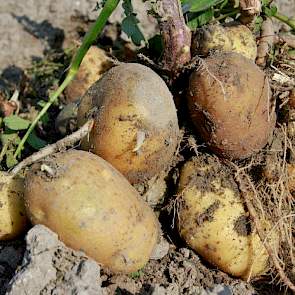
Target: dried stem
column 176, row 35
column 265, row 42
column 60, row 145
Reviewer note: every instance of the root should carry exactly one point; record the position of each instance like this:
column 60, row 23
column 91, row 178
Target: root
column 60, row 145
column 266, row 42
column 203, row 66
column 242, row 177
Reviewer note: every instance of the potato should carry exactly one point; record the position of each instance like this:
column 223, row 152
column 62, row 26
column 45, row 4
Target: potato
column 233, row 37
column 136, row 127
column 213, row 221
column 92, row 208
column 229, row 103
column 94, row 64
column 13, row 220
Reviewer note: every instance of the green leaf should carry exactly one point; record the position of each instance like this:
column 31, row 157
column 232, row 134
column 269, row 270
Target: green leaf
column 258, row 23
column 198, row 5
column 270, row 11
column 129, row 24
column 10, row 160
column 35, row 142
column 14, row 122
column 201, row 19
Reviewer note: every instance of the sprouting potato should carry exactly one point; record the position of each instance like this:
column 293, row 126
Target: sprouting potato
column 136, row 127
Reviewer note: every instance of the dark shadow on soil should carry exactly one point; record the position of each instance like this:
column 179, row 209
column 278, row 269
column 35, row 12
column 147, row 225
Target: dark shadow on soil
column 54, row 37
column 11, row 78
column 11, row 255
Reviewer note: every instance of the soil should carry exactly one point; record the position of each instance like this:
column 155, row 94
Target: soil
column 34, row 36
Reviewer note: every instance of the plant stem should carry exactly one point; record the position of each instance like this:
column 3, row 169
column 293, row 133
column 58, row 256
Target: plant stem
column 285, row 19
column 89, row 38
column 176, row 36
column 60, row 145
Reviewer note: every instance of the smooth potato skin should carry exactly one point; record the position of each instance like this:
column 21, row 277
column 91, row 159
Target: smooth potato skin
column 92, row 208
column 237, row 123
column 13, row 220
column 216, row 238
column 134, row 105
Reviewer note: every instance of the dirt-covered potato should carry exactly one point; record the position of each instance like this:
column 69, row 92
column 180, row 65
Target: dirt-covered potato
column 136, row 127
column 92, row 208
column 213, row 221
column 13, row 220
column 94, row 64
column 232, row 37
column 230, row 105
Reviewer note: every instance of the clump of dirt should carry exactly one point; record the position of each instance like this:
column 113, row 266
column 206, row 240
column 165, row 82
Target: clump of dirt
column 179, row 272
column 49, row 267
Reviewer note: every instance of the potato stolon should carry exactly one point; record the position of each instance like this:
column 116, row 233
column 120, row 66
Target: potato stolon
column 13, row 220
column 213, row 221
column 229, row 103
column 92, row 208
column 136, row 127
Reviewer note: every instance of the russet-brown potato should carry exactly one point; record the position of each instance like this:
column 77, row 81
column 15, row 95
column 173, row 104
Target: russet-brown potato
column 229, row 100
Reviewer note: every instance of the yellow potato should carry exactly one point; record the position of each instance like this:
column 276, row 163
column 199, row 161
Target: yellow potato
column 136, row 126
column 213, row 221
column 92, row 208
column 231, row 38
column 13, row 220
column 230, row 105
column 242, row 41
column 94, row 64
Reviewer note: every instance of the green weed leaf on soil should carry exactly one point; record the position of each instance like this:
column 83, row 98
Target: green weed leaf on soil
column 14, row 122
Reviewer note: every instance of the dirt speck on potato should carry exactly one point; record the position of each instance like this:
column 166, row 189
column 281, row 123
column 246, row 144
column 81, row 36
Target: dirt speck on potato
column 208, row 214
column 242, row 226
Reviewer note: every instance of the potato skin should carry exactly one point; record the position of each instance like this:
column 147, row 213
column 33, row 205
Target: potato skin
column 13, row 220
column 92, row 208
column 94, row 64
column 231, row 38
column 136, row 127
column 229, row 104
column 213, row 221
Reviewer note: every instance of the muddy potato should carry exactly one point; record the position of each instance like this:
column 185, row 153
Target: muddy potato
column 136, row 127
column 92, row 208
column 213, row 221
column 233, row 37
column 230, row 105
column 94, row 64
column 13, row 220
